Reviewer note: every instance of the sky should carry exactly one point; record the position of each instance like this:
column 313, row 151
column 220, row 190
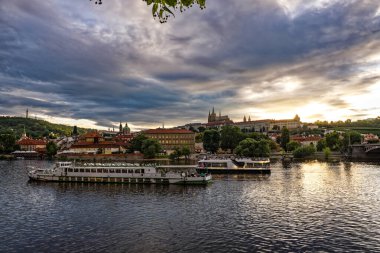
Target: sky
column 77, row 63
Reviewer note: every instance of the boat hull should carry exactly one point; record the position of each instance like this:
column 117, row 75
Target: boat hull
column 235, row 171
column 182, row 181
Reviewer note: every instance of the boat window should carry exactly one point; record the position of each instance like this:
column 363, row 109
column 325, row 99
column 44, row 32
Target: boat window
column 99, row 170
column 81, row 170
column 105, row 170
column 93, row 170
column 124, row 171
column 142, row 171
column 130, row 171
column 249, row 165
column 118, row 171
column 70, row 170
column 88, row 170
column 75, row 170
column 219, row 165
column 112, row 171
column 137, row 171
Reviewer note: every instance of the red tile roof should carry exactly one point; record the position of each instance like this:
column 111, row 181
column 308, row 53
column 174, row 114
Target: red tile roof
column 92, row 134
column 305, row 138
column 29, row 141
column 167, row 131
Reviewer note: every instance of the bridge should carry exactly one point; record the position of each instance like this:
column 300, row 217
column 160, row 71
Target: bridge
column 365, row 151
column 370, row 147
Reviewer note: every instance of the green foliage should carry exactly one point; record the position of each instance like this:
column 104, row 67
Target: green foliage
column 304, row 151
column 7, row 141
column 35, row 128
column 327, row 153
column 257, row 136
column 230, row 137
column 137, row 142
column 333, row 141
column 186, row 152
column 321, row 144
column 150, row 148
column 351, row 137
column 198, row 137
column 75, row 131
column 285, row 137
column 252, row 148
column 211, row 139
column 176, row 154
column 201, row 129
column 51, row 149
column 163, row 9
column 292, row 145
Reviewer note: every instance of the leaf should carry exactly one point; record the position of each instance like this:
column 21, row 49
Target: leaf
column 168, row 10
column 171, row 3
column 154, row 9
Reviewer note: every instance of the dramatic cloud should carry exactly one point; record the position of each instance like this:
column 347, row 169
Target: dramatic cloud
column 97, row 65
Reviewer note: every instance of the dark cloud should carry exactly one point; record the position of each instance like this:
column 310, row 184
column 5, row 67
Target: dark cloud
column 75, row 60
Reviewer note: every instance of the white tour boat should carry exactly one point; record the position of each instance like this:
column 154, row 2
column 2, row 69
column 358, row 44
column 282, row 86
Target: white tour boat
column 245, row 165
column 119, row 173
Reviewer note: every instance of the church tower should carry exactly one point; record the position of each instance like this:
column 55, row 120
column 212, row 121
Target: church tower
column 27, row 113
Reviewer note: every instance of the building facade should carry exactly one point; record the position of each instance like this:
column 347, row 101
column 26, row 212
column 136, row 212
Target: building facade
column 170, row 139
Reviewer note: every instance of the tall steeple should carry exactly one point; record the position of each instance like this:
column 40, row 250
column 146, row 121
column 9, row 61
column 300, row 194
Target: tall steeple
column 120, row 128
column 245, row 119
column 249, row 118
column 27, row 113
column 213, row 111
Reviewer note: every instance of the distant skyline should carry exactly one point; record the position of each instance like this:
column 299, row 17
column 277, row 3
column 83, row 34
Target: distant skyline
column 73, row 62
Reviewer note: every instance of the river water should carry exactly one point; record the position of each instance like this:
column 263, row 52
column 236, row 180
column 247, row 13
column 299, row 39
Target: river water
column 307, row 207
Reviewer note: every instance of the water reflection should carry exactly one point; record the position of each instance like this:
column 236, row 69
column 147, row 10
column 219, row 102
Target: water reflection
column 309, row 207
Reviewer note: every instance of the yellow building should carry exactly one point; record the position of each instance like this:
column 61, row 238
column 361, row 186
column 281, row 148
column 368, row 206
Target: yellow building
column 172, row 138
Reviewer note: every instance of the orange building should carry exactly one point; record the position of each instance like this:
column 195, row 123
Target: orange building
column 29, row 144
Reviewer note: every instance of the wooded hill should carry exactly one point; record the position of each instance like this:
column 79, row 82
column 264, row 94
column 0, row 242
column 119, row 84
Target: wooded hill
column 35, row 128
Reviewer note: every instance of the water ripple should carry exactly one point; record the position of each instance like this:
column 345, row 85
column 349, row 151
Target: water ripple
column 306, row 208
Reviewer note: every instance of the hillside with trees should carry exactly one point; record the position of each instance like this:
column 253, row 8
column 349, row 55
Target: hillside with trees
column 35, row 128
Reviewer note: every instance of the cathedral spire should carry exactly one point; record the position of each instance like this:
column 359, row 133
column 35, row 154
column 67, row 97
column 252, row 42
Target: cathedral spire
column 245, row 119
column 213, row 111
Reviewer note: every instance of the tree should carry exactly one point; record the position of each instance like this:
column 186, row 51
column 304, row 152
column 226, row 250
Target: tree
column 198, row 137
column 163, row 9
column 176, row 154
column 321, row 144
column 186, row 152
column 304, row 151
column 75, row 131
column 257, row 136
column 285, row 137
column 292, row 145
column 252, row 148
column 136, row 143
column 51, row 149
column 333, row 141
column 150, row 147
column 230, row 136
column 201, row 129
column 351, row 137
column 211, row 139
column 8, row 141
column 327, row 153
